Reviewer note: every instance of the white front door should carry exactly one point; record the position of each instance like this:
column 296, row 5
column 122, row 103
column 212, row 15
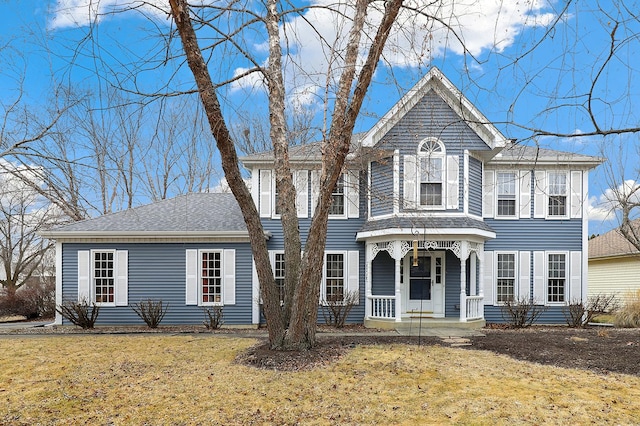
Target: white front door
column 424, row 284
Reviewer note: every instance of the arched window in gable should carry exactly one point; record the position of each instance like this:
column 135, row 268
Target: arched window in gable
column 431, row 172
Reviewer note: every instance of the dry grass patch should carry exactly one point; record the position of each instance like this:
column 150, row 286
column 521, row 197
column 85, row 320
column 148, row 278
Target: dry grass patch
column 192, row 379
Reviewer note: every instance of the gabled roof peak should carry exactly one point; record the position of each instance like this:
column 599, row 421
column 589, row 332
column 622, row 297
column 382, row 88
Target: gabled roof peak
column 435, row 80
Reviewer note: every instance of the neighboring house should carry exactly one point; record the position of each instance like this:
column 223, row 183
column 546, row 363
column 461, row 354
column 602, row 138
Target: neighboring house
column 614, row 265
column 437, row 217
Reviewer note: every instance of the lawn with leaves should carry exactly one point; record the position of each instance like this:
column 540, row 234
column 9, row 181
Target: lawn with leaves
column 193, row 379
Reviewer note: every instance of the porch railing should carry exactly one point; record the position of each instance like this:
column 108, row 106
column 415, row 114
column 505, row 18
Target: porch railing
column 474, row 307
column 382, row 307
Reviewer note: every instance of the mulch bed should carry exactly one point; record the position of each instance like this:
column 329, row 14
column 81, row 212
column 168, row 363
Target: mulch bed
column 601, row 350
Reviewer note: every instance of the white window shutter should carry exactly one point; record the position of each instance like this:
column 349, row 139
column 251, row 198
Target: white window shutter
column 302, row 192
column 576, row 194
column 524, row 276
column 453, row 181
column 353, row 194
column 540, row 196
column 122, row 278
column 315, row 189
column 84, row 276
column 489, row 281
column 488, row 193
column 410, row 182
column 525, row 194
column 255, row 187
column 229, row 274
column 353, row 271
column 191, row 267
column 265, row 193
column 539, row 288
column 575, row 270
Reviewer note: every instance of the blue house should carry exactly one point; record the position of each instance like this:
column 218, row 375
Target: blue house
column 437, row 218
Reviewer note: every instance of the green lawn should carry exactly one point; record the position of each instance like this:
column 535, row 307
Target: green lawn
column 192, row 379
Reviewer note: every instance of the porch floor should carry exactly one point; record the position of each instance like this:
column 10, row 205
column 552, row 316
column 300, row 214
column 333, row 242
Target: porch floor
column 428, row 326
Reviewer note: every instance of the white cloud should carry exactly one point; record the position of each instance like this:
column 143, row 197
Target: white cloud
column 223, row 186
column 605, row 206
column 80, row 13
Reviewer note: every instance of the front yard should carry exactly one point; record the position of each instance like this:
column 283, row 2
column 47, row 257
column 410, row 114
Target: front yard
column 194, row 379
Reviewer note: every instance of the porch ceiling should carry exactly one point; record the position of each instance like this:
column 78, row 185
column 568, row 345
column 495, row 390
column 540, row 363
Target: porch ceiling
column 437, row 226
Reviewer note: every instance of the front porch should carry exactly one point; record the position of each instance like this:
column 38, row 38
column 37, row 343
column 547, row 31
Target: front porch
column 424, row 284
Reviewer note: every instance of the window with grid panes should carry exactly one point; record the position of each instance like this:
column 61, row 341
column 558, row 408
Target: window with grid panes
column 278, row 274
column 556, row 277
column 104, row 276
column 557, row 189
column 211, row 276
column 506, row 277
column 334, row 277
column 506, row 194
column 431, row 160
column 337, row 198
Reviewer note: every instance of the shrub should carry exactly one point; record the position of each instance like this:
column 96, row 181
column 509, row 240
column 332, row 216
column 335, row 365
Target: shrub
column 629, row 314
column 213, row 317
column 79, row 313
column 522, row 312
column 152, row 312
column 335, row 312
column 579, row 314
column 34, row 299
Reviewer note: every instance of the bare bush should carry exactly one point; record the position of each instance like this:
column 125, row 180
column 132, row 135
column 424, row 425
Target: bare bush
column 81, row 314
column 522, row 312
column 35, row 299
column 629, row 314
column 579, row 314
column 335, row 311
column 213, row 317
column 151, row 311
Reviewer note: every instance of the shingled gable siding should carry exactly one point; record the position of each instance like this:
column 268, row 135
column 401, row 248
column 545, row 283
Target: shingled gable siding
column 341, row 236
column 432, row 117
column 382, row 187
column 157, row 271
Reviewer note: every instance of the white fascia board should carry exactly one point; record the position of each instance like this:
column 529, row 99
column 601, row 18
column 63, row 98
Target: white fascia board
column 430, row 233
column 150, row 235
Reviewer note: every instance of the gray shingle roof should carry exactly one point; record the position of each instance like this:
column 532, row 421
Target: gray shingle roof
column 519, row 153
column 431, row 222
column 613, row 243
column 192, row 213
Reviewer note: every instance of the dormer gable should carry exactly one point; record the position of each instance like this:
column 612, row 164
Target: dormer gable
column 436, row 81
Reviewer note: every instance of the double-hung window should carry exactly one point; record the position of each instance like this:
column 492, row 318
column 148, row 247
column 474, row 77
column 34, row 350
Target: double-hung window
column 337, row 198
column 506, row 194
column 557, row 187
column 104, row 276
column 211, row 277
column 335, row 277
column 506, row 277
column 278, row 273
column 556, row 277
column 431, row 166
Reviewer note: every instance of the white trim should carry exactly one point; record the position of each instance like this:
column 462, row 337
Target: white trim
column 567, row 195
column 575, row 277
column 448, row 233
column 345, row 266
column 58, row 272
column 121, row 284
column 353, row 273
column 525, row 194
column 410, row 182
column 452, row 182
column 84, row 276
column 396, row 182
column 465, row 182
column 369, row 193
column 540, row 198
column 191, row 276
column 488, row 193
column 229, row 277
column 585, row 237
column 516, row 195
column 222, row 277
column 301, row 183
column 575, row 198
column 266, row 196
column 488, row 278
column 255, row 187
column 352, row 194
column 516, row 275
column 567, row 277
column 524, row 274
column 539, row 278
column 92, row 284
column 255, row 294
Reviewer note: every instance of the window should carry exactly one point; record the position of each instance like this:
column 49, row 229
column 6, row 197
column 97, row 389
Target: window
column 506, row 277
column 104, row 276
column 556, row 277
column 506, row 192
column 557, row 194
column 431, row 165
column 334, row 277
column 337, row 198
column 278, row 274
column 211, row 277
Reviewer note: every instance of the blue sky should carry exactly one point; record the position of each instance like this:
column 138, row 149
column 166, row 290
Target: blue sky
column 520, row 73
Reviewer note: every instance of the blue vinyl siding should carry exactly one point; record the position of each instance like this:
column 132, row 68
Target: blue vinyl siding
column 535, row 234
column 475, row 187
column 452, row 286
column 157, row 271
column 383, row 282
column 382, row 187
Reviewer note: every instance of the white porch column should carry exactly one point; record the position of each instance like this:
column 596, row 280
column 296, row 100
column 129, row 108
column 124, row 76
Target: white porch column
column 481, row 272
column 368, row 259
column 473, row 287
column 464, row 253
column 397, row 256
